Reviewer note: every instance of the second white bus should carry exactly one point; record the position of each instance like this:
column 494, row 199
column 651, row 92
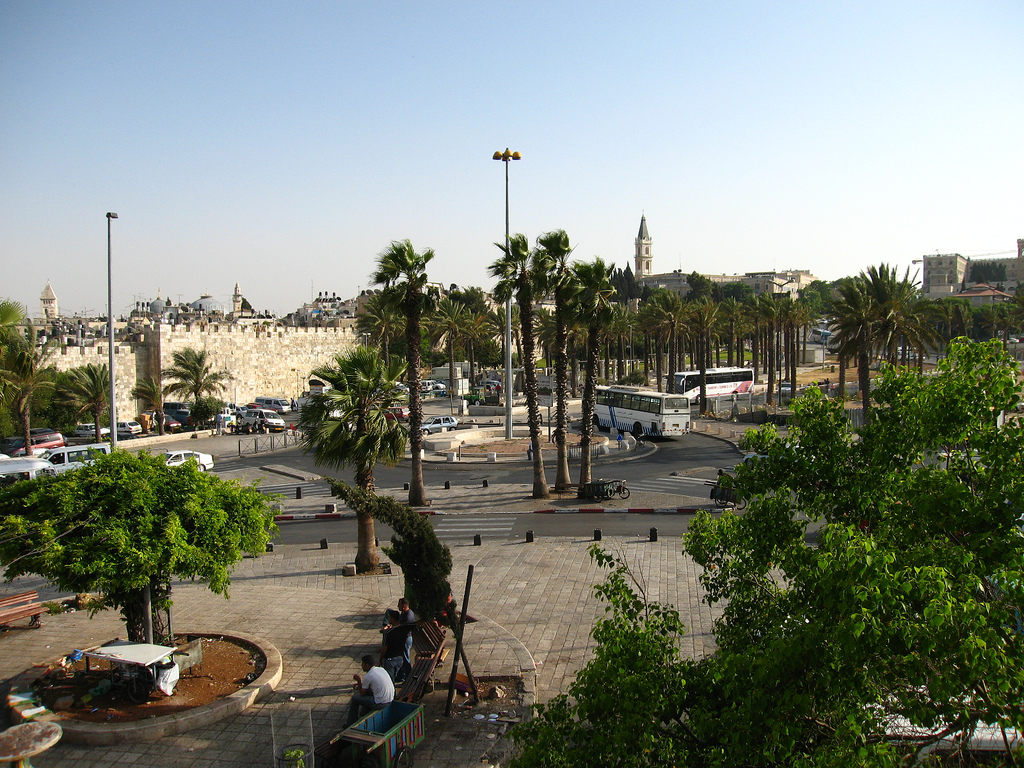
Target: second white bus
column 641, row 411
column 720, row 381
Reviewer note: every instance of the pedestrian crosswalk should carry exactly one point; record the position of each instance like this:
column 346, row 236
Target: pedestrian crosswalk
column 676, row 485
column 465, row 527
column 309, row 490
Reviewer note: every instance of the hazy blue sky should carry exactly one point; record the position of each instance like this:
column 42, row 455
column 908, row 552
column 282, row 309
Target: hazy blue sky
column 283, row 145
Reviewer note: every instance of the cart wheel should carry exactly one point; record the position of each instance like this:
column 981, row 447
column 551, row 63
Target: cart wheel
column 138, row 689
column 623, row 492
column 403, row 758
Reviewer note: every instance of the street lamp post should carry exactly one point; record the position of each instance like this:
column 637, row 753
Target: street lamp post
column 110, row 340
column 505, row 157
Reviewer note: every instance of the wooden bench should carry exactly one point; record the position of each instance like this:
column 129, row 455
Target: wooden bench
column 428, row 651
column 21, row 606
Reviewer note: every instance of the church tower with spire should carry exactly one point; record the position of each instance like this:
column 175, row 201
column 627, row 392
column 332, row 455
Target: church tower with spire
column 236, row 301
column 643, row 251
column 48, row 303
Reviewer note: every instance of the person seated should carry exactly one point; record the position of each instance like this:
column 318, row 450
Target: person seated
column 403, row 616
column 374, row 691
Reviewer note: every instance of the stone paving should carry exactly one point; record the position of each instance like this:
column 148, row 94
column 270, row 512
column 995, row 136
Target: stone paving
column 533, row 601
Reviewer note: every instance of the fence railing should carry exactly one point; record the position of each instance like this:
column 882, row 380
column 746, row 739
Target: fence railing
column 267, row 443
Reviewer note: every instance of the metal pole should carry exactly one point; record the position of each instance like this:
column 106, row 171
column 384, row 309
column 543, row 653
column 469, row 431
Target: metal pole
column 508, row 327
column 110, row 341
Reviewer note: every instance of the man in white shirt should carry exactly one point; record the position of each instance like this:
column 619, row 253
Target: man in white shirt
column 374, row 691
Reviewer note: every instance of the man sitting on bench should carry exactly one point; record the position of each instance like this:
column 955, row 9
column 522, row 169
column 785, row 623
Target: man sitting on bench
column 375, row 691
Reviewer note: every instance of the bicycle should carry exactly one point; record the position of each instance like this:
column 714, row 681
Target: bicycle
column 618, row 487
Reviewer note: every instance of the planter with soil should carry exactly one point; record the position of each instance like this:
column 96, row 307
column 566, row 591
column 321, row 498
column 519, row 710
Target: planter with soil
column 235, row 670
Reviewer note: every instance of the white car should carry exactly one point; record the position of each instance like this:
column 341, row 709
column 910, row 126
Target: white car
column 177, row 458
column 132, row 428
column 439, row 424
column 89, row 430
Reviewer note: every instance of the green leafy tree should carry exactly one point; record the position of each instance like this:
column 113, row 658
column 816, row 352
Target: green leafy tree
column 403, row 274
column 348, row 425
column 906, row 603
column 87, row 390
column 193, row 375
column 204, row 409
column 129, row 522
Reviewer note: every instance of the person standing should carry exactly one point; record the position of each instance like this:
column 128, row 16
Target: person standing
column 402, row 617
column 374, row 690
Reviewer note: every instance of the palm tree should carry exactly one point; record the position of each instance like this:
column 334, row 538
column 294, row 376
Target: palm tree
column 556, row 249
column 193, row 375
column 151, row 393
column 853, row 323
column 348, row 425
column 87, row 389
column 403, row 274
column 24, row 373
column 11, row 313
column 518, row 273
column 382, row 321
column 704, row 315
column 446, row 326
column 767, row 313
column 593, row 305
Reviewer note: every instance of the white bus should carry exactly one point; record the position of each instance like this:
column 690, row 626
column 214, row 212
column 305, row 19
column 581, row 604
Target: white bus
column 720, row 381
column 641, row 411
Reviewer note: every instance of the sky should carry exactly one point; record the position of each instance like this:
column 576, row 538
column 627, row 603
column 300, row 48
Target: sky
column 283, row 146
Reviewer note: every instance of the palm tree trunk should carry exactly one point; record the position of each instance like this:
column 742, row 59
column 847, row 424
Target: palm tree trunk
column 589, row 399
column 540, row 483
column 417, row 493
column 562, row 477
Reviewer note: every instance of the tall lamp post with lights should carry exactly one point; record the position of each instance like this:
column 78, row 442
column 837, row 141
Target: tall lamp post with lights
column 505, row 157
column 110, row 339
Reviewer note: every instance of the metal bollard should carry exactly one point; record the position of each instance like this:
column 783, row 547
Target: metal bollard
column 485, row 483
column 405, row 487
column 298, row 491
column 476, row 540
column 376, row 541
column 270, row 546
column 597, row 534
column 529, row 537
column 654, row 534
column 447, row 485
column 323, row 543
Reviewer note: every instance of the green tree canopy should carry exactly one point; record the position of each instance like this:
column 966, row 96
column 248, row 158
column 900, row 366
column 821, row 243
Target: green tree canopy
column 193, row 375
column 128, row 522
column 869, row 579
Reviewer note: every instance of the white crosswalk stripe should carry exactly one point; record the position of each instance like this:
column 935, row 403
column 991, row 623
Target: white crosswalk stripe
column 309, row 490
column 679, row 485
column 465, row 527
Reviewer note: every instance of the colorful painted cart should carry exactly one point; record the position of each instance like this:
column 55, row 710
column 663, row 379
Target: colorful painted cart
column 382, row 739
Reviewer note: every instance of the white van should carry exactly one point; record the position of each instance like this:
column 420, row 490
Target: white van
column 28, row 468
column 278, row 404
column 75, row 456
column 271, row 419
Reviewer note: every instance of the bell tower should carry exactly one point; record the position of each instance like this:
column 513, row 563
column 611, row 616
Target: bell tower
column 643, row 251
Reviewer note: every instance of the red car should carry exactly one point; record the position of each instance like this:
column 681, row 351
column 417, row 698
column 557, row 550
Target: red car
column 397, row 412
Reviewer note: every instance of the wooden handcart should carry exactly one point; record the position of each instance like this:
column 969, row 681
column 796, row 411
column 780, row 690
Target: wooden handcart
column 381, row 739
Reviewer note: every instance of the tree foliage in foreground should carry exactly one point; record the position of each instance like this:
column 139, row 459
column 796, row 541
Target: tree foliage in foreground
column 904, row 605
column 128, row 522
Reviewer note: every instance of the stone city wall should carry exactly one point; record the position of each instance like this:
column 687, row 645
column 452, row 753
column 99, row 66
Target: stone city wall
column 263, row 360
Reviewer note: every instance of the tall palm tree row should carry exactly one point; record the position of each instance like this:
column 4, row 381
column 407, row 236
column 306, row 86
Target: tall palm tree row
column 349, row 425
column 522, row 274
column 403, row 274
column 594, row 305
column 446, row 327
column 564, row 288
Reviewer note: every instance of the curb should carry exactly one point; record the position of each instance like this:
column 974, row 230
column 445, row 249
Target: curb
column 630, row 510
column 336, row 515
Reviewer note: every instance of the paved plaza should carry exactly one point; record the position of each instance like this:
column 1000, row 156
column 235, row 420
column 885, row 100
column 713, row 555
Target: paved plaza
column 533, row 601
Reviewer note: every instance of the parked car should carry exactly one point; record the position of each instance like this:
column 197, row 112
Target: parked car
column 177, row 458
column 25, row 468
column 439, row 424
column 253, row 417
column 74, row 456
column 180, row 412
column 129, row 428
column 42, row 438
column 170, row 424
column 89, row 431
column 397, row 412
